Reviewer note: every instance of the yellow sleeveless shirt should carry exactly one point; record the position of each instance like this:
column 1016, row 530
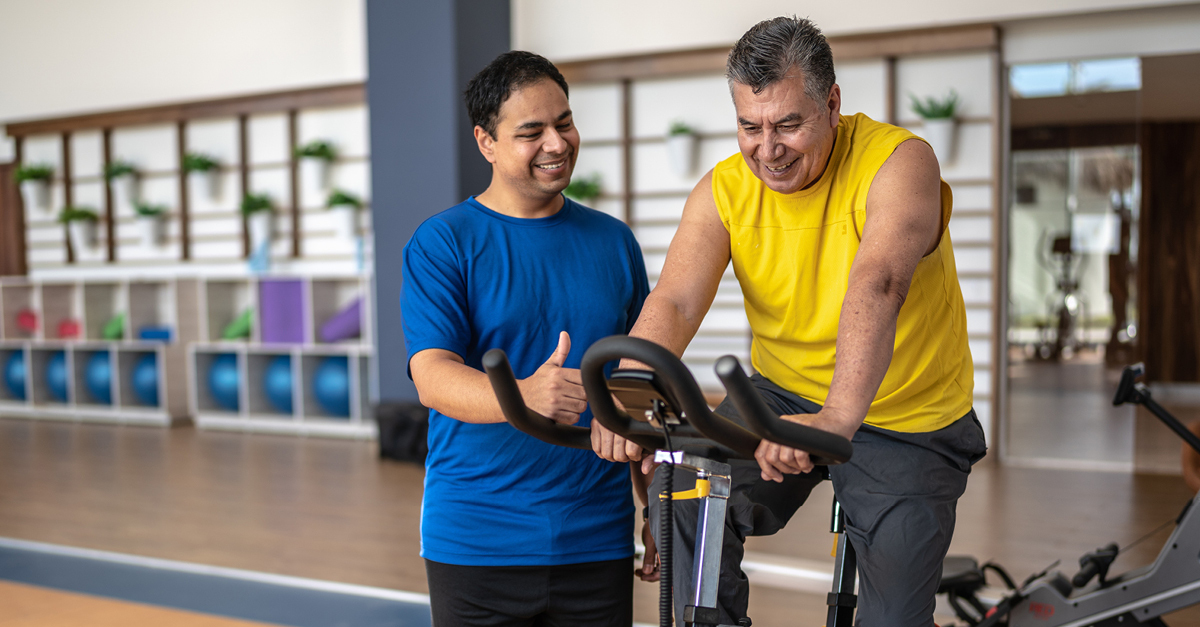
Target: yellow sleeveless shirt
column 792, row 255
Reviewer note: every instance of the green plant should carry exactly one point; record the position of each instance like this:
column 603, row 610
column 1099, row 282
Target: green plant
column 34, row 172
column 117, row 169
column 75, row 214
column 196, row 162
column 679, row 127
column 936, row 109
column 254, row 203
column 317, row 149
column 340, row 198
column 147, row 210
column 584, row 188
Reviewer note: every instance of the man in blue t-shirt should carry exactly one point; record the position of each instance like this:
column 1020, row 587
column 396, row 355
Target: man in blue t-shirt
column 515, row 531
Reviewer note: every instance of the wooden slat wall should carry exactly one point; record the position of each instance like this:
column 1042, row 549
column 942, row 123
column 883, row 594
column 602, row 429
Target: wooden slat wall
column 12, row 224
column 1169, row 252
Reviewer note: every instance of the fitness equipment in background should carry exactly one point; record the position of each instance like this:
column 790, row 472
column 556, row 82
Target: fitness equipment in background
column 344, row 325
column 145, row 379
column 98, row 377
column 14, row 374
column 239, row 328
column 56, row 376
column 27, row 321
column 331, row 386
column 1138, row 597
column 114, row 329
column 668, row 415
column 224, row 381
column 277, row 383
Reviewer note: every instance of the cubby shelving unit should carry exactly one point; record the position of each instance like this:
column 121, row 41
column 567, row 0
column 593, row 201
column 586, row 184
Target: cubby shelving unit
column 289, row 312
column 89, row 306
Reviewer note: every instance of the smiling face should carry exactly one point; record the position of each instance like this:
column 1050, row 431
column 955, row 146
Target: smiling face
column 535, row 145
column 785, row 136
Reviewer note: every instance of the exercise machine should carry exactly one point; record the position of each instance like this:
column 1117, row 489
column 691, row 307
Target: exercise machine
column 1138, row 597
column 665, row 412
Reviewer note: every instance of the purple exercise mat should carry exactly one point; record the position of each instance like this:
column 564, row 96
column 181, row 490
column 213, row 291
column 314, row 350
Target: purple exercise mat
column 281, row 311
column 345, row 324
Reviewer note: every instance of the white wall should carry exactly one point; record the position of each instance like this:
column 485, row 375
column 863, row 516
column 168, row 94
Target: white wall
column 1167, row 30
column 59, row 57
column 577, row 30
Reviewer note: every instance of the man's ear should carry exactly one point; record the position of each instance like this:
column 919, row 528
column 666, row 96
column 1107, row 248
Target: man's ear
column 487, row 144
column 835, row 105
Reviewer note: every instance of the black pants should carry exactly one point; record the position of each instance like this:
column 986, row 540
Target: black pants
column 595, row 594
column 899, row 492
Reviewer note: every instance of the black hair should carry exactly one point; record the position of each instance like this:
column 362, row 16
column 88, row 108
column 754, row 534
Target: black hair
column 504, row 75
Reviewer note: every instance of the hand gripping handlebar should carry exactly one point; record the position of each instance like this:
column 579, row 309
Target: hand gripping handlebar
column 734, row 440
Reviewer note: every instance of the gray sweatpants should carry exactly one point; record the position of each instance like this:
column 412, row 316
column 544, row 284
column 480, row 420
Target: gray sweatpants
column 899, row 492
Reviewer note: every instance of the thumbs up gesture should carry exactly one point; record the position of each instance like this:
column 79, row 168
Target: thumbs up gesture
column 553, row 391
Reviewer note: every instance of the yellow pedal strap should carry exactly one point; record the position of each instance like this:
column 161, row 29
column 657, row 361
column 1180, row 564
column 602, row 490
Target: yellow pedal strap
column 703, row 488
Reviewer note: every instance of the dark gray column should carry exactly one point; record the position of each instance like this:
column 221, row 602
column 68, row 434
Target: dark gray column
column 420, row 56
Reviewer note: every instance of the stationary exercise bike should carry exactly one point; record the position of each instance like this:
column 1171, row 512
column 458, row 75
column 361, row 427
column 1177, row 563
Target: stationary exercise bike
column 1138, row 597
column 665, row 412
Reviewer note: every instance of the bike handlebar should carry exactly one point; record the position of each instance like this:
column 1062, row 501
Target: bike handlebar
column 500, row 374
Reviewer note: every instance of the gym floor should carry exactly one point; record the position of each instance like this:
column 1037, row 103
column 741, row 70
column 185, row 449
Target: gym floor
column 330, row 510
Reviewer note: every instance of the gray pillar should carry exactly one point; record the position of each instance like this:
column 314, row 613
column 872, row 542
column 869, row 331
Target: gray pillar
column 420, row 56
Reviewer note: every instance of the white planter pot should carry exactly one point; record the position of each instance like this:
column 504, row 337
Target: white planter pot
column 315, row 173
column 153, row 229
column 681, row 152
column 940, row 135
column 83, row 234
column 345, row 221
column 204, row 187
column 36, row 195
column 124, row 190
column 260, row 228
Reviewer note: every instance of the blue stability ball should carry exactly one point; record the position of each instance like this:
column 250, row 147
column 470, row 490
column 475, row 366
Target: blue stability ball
column 331, row 386
column 56, row 376
column 98, row 378
column 277, row 383
column 145, row 379
column 14, row 375
column 223, row 381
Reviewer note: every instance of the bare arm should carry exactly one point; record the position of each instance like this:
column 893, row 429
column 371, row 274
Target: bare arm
column 445, row 383
column 903, row 224
column 673, row 311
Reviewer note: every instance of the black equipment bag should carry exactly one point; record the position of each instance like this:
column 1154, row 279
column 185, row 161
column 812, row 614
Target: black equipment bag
column 403, row 431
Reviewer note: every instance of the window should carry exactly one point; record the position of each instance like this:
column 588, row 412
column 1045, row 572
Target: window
column 1039, row 80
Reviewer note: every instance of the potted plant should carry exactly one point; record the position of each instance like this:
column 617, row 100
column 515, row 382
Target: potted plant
column 316, row 158
column 204, row 175
column 258, row 211
column 81, row 226
column 34, row 180
column 150, row 221
column 122, row 177
column 938, row 123
column 681, row 147
column 584, row 189
column 344, row 206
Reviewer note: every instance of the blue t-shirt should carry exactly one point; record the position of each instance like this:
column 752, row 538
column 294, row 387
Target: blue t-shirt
column 475, row 280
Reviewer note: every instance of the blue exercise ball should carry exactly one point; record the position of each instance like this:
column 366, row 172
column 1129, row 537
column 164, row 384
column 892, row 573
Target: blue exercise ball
column 331, row 386
column 224, row 381
column 56, row 376
column 145, row 379
column 14, row 375
column 98, row 378
column 277, row 383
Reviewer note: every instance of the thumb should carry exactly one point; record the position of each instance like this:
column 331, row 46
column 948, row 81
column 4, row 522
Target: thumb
column 560, row 354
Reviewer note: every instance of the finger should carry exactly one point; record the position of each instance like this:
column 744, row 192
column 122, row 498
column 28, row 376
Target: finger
column 648, row 464
column 572, row 375
column 571, row 389
column 767, row 455
column 597, row 439
column 633, row 450
column 565, row 417
column 559, row 357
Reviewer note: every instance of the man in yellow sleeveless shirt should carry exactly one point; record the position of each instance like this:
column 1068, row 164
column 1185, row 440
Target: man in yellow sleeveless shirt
column 836, row 227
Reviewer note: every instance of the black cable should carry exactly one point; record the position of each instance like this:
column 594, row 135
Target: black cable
column 666, row 530
column 1147, row 536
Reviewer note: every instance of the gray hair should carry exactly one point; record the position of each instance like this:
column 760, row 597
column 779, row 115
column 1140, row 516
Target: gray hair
column 769, row 50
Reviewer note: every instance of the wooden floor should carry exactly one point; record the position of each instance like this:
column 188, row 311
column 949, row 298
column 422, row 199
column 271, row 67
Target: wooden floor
column 330, row 509
column 30, row 606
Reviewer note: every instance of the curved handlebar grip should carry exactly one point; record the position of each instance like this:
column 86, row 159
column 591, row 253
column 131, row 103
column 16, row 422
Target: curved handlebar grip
column 1127, row 390
column 824, row 448
column 504, row 384
column 677, row 378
